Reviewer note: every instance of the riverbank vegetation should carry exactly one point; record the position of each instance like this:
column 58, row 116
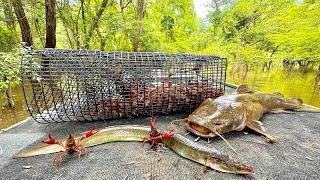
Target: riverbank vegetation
column 252, row 34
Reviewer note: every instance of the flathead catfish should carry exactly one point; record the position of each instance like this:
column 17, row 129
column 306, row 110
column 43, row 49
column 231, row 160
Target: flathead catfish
column 236, row 111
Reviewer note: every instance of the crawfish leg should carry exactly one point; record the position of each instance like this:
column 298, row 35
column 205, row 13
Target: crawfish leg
column 144, row 140
column 58, row 157
column 257, row 126
column 206, row 166
column 80, row 150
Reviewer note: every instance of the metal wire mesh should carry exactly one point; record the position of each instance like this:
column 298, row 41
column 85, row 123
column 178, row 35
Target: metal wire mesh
column 82, row 85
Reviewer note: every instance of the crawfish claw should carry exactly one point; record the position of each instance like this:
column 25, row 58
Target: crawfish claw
column 152, row 122
column 91, row 132
column 155, row 137
column 50, row 140
column 168, row 135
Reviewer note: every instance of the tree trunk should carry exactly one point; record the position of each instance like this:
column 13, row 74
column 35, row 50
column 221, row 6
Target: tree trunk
column 9, row 98
column 140, row 8
column 23, row 22
column 103, row 40
column 11, row 24
column 38, row 29
column 288, row 64
column 317, row 79
column 94, row 23
column 77, row 30
column 73, row 38
column 84, row 24
column 65, row 23
column 123, row 5
column 50, row 23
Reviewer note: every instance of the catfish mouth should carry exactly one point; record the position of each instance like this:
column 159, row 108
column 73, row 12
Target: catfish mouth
column 199, row 130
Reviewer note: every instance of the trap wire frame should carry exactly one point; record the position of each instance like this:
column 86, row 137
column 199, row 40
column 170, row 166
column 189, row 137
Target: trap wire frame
column 81, row 85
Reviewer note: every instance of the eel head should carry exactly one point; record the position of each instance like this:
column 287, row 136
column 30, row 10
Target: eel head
column 229, row 166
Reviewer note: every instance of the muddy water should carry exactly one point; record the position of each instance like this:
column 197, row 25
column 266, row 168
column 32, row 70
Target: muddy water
column 293, row 84
column 290, row 84
column 10, row 116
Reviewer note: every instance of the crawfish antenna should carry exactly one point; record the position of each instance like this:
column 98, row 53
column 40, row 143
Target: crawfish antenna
column 226, row 142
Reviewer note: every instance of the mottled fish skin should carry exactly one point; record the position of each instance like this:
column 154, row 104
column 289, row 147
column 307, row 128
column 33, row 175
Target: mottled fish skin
column 205, row 155
column 184, row 147
column 222, row 114
column 117, row 134
column 235, row 111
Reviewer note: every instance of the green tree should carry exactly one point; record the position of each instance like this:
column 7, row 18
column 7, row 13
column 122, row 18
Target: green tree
column 9, row 74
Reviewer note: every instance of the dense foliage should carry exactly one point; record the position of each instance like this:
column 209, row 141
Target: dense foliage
column 262, row 32
column 247, row 32
column 242, row 30
column 9, row 74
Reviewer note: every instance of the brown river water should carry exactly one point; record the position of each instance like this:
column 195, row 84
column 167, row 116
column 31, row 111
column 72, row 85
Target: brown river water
column 293, row 84
column 10, row 116
column 290, row 84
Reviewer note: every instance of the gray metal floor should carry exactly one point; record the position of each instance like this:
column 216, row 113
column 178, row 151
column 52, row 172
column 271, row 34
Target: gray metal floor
column 295, row 156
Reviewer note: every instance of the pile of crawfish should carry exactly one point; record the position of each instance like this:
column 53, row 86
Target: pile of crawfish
column 139, row 99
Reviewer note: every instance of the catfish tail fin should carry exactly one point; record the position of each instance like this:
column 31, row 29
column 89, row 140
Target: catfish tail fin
column 308, row 108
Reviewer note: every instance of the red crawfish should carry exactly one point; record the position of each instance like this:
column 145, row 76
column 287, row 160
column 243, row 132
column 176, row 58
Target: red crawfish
column 71, row 144
column 156, row 137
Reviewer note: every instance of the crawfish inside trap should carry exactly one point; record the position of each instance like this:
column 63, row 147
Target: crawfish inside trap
column 80, row 85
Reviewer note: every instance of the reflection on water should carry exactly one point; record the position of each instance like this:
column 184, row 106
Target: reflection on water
column 10, row 116
column 290, row 84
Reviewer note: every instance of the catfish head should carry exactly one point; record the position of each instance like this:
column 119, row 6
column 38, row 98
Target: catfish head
column 208, row 124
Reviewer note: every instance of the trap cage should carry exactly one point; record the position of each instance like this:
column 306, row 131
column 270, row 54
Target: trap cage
column 81, row 85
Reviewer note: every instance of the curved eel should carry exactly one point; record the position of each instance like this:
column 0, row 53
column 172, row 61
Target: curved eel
column 184, row 147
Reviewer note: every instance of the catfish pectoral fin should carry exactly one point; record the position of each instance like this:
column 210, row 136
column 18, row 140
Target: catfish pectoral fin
column 258, row 127
column 272, row 139
column 281, row 111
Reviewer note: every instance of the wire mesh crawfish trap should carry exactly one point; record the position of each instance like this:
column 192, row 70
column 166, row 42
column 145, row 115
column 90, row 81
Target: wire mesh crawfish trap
column 81, row 85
